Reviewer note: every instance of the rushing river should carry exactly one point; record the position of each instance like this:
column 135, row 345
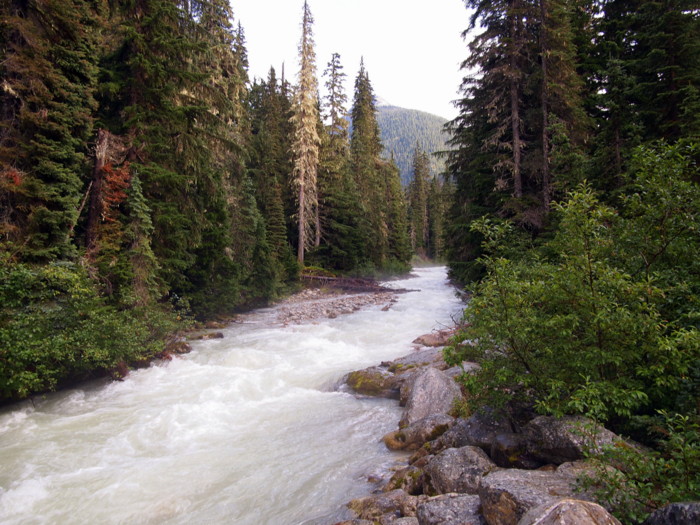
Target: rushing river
column 249, row 429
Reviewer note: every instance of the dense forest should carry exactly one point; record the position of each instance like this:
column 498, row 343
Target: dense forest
column 146, row 180
column 402, row 130
column 575, row 222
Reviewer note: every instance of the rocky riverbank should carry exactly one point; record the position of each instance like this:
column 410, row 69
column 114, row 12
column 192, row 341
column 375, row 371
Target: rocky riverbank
column 485, row 469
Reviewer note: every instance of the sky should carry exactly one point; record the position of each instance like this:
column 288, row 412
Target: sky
column 412, row 49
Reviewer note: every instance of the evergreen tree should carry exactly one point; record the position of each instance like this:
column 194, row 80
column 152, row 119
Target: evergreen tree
column 49, row 73
column 418, row 202
column 305, row 147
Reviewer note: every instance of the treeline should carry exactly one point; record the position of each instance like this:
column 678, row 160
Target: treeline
column 576, row 220
column 144, row 177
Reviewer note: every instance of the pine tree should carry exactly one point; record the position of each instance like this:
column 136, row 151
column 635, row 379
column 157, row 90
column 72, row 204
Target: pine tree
column 305, row 147
column 418, row 202
column 49, row 74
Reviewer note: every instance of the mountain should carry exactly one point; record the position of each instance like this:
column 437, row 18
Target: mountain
column 402, row 129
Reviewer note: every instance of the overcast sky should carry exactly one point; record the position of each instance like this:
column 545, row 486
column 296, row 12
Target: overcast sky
column 412, row 48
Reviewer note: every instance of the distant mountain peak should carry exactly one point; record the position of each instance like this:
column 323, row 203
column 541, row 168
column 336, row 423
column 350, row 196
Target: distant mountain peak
column 382, row 102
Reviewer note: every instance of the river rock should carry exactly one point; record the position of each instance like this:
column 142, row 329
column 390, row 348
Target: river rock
column 374, row 381
column 421, row 358
column 416, row 434
column 506, row 495
column 457, row 470
column 432, row 393
column 438, row 338
column 383, row 507
column 509, row 450
column 450, row 509
column 479, row 431
column 676, row 514
column 558, row 440
column 409, row 479
column 568, row 512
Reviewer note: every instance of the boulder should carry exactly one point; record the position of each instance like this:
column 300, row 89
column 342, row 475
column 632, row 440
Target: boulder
column 432, row 393
column 506, row 495
column 457, row 470
column 509, row 450
column 433, row 339
column 450, row 509
column 405, row 521
column 479, row 431
column 374, row 381
column 409, row 479
column 421, row 358
column 382, row 507
column 416, row 434
column 676, row 514
column 558, row 440
column 568, row 512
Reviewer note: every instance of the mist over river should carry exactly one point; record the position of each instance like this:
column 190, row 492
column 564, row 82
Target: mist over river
column 248, row 429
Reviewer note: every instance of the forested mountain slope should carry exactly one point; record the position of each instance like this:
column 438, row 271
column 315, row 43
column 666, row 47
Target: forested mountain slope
column 403, row 128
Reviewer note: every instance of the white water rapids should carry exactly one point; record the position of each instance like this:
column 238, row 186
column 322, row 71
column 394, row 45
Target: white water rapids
column 249, row 429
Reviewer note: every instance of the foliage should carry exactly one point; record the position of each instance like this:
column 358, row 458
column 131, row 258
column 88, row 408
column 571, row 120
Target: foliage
column 55, row 328
column 646, row 480
column 569, row 327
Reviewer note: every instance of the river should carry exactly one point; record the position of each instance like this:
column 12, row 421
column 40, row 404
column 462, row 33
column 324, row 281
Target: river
column 248, row 429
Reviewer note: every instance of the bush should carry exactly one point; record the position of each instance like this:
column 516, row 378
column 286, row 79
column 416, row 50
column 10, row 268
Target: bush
column 578, row 326
column 54, row 328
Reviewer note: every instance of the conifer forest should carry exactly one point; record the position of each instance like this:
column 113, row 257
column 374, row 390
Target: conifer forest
column 146, row 181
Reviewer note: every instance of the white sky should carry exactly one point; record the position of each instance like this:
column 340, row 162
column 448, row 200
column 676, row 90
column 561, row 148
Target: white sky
column 412, row 48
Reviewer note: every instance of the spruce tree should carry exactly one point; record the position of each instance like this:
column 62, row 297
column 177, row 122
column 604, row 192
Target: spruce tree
column 49, row 74
column 305, row 147
column 418, row 202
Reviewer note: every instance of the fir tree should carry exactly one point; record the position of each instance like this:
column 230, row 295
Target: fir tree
column 305, row 147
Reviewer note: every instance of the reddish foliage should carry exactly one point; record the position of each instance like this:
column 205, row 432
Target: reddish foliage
column 116, row 182
column 13, row 176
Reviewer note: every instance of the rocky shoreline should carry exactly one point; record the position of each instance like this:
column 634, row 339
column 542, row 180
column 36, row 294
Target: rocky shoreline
column 485, row 469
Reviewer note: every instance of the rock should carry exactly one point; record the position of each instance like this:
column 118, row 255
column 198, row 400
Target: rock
column 205, row 336
column 416, row 434
column 676, row 514
column 409, row 479
column 506, row 495
column 568, row 512
column 355, row 522
column 509, row 450
column 439, row 338
column 450, row 509
column 457, row 470
column 374, row 381
column 432, row 393
column 558, row 440
column 421, row 358
column 465, row 368
column 405, row 521
column 396, row 504
column 479, row 431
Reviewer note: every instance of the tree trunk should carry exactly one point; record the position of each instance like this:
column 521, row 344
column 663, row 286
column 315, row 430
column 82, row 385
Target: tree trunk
column 515, row 111
column 546, row 183
column 302, row 225
column 96, row 209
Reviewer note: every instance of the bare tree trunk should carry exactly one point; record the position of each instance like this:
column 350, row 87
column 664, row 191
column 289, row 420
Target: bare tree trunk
column 546, row 183
column 95, row 210
column 515, row 111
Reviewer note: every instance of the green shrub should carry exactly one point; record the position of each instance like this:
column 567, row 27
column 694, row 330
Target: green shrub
column 54, row 328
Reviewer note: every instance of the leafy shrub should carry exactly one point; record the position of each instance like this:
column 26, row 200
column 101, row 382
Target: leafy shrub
column 54, row 327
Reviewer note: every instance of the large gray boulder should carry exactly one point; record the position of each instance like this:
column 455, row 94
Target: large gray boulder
column 568, row 512
column 506, row 495
column 450, row 509
column 676, row 514
column 374, row 381
column 558, row 440
column 434, row 339
column 421, row 358
column 478, row 431
column 457, row 470
column 432, row 392
column 416, row 434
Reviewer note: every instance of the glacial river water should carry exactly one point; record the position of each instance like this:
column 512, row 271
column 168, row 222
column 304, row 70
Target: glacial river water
column 249, row 429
